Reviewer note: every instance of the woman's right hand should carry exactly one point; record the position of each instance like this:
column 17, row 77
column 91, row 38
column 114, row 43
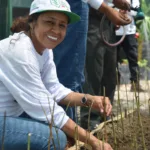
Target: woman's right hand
column 101, row 146
column 72, row 129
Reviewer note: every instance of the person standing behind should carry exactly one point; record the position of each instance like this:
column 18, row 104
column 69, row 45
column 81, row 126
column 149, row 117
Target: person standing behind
column 100, row 58
column 69, row 56
column 130, row 47
column 100, row 68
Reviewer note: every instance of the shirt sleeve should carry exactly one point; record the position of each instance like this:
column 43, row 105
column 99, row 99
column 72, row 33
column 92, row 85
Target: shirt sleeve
column 135, row 3
column 21, row 76
column 94, row 3
column 50, row 79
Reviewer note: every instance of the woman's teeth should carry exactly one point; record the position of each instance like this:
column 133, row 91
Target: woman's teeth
column 53, row 38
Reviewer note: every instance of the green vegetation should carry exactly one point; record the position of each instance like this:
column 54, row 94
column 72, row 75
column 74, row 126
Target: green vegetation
column 141, row 63
column 143, row 27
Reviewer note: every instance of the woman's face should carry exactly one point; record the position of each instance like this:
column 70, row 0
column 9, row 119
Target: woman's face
column 49, row 30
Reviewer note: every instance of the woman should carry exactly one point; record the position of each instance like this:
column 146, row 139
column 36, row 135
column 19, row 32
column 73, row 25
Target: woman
column 30, row 93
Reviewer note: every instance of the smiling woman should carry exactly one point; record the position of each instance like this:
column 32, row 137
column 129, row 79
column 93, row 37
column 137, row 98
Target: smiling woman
column 48, row 30
column 31, row 95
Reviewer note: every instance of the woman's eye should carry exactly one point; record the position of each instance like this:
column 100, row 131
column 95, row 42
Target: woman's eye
column 50, row 22
column 63, row 26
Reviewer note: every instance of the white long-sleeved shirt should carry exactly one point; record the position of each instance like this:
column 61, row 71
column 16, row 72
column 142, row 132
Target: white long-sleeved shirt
column 94, row 3
column 97, row 3
column 28, row 81
column 130, row 28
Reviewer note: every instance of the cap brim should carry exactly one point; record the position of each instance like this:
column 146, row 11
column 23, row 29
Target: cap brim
column 73, row 18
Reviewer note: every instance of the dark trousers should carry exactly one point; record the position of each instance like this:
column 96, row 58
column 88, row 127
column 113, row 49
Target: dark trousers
column 101, row 59
column 100, row 70
column 129, row 46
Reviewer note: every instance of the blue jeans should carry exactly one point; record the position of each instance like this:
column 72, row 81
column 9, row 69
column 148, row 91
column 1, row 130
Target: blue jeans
column 16, row 135
column 69, row 56
column 15, row 132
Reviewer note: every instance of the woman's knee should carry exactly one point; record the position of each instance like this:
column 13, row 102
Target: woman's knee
column 16, row 135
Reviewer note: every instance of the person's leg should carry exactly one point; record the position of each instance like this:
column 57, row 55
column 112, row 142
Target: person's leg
column 15, row 132
column 118, row 62
column 130, row 49
column 94, row 56
column 69, row 56
column 100, row 62
column 93, row 69
column 96, row 62
column 109, row 75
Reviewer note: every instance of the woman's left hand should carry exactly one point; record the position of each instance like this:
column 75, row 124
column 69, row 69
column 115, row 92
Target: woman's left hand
column 101, row 104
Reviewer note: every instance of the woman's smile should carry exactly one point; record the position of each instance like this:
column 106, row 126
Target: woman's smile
column 52, row 38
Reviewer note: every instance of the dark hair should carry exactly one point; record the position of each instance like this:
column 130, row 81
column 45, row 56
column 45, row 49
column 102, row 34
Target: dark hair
column 22, row 23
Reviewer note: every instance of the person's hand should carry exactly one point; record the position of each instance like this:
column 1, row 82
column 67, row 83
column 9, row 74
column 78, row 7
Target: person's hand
column 84, row 136
column 118, row 18
column 101, row 104
column 122, row 4
column 101, row 146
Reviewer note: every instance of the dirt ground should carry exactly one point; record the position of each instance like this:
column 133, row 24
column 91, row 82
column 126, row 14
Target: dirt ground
column 131, row 133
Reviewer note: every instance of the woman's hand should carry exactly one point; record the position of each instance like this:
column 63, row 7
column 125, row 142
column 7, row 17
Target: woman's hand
column 101, row 146
column 100, row 103
column 72, row 129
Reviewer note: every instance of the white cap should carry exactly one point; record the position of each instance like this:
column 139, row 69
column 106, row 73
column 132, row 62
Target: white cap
column 38, row 6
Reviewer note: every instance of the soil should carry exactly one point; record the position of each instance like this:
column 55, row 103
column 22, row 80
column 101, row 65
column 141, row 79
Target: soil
column 129, row 133
column 132, row 139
